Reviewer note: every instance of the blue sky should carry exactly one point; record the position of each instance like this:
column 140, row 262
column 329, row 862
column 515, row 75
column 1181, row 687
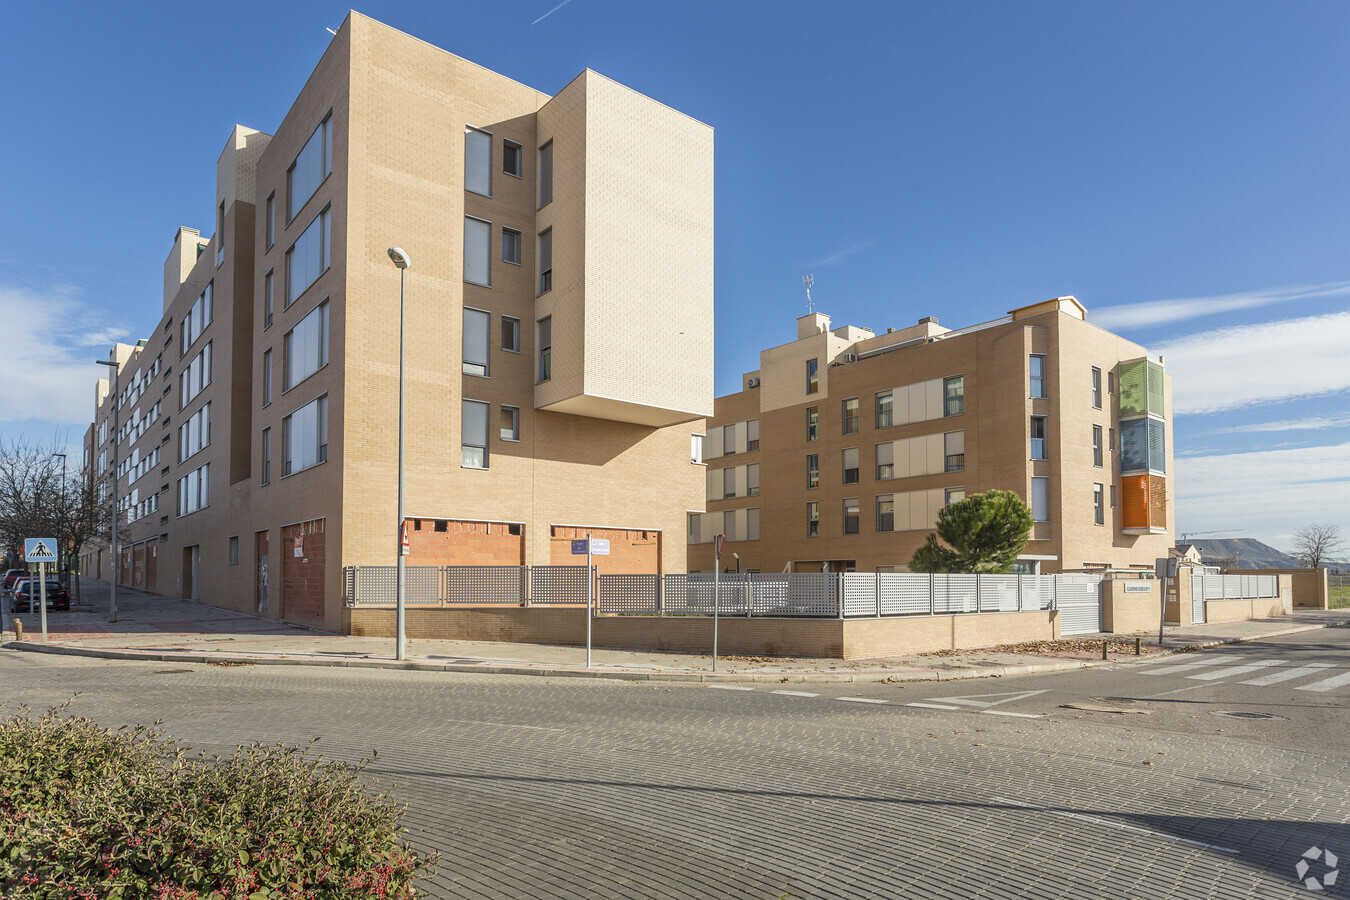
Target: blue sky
column 1180, row 168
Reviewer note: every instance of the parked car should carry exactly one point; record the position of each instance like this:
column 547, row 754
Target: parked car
column 26, row 594
column 12, row 576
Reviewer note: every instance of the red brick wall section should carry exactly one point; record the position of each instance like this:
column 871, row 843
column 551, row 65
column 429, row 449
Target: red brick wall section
column 138, row 565
column 302, row 593
column 124, row 567
column 464, row 543
column 631, row 552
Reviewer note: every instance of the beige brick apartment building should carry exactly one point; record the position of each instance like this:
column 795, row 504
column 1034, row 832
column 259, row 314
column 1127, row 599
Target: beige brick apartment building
column 840, row 450
column 257, row 433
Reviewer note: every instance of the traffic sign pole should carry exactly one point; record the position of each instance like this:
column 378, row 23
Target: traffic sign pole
column 42, row 581
column 717, row 590
column 590, row 577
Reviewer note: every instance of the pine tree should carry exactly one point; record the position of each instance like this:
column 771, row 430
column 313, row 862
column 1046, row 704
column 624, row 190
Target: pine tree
column 982, row 533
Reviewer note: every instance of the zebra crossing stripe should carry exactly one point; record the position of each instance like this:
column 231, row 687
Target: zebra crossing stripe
column 1288, row 674
column 1186, row 667
column 1227, row 671
column 1326, row 684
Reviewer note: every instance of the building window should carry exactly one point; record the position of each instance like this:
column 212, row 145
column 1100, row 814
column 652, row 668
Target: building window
column 271, row 219
column 1040, row 499
column 885, row 512
column 195, row 433
column 812, row 470
column 266, row 455
column 954, row 447
column 1143, row 445
column 511, row 246
column 1097, row 445
column 1038, row 376
column 473, row 453
column 310, row 168
column 308, row 257
column 510, row 423
column 885, row 405
column 196, row 319
column 1038, row 437
column 1111, row 439
column 1113, row 496
column 728, row 482
column 812, row 423
column 546, row 175
column 729, row 525
column 1096, row 387
column 751, row 435
column 752, row 480
column 478, row 161
column 954, row 395
column 851, row 465
column 475, row 341
column 850, row 412
column 885, row 461
column 267, row 301
column 1110, row 382
column 306, row 347
column 304, row 437
column 728, row 440
column 851, row 515
column 511, row 158
column 812, row 520
column 545, row 343
column 477, row 252
column 812, row 376
column 193, row 493
column 195, row 377
column 696, row 449
column 220, row 234
column 267, row 377
column 1098, row 505
column 234, row 551
column 954, row 495
column 545, row 261
column 511, row 334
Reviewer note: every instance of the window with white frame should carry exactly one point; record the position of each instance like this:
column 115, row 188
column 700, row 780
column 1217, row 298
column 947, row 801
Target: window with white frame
column 196, row 319
column 954, row 395
column 477, row 251
column 195, row 433
column 1038, row 437
column 812, row 423
column 696, row 449
column 474, row 436
column 478, row 161
column 510, row 423
column 812, row 470
column 193, row 490
column 850, row 415
column 1099, row 504
column 308, row 257
column 194, row 378
column 813, row 519
column 885, row 405
column 1040, row 499
column 475, row 341
column 304, row 437
column 511, row 246
column 1096, row 387
column 310, row 168
column 546, row 174
column 1097, row 455
column 306, row 346
column 1038, row 376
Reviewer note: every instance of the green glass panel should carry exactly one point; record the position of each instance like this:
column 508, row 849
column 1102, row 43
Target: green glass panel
column 1154, row 379
column 1134, row 387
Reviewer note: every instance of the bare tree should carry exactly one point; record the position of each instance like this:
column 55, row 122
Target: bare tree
column 1314, row 545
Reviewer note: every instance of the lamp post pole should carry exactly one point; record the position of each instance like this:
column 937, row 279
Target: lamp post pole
column 112, row 526
column 60, row 537
column 400, row 258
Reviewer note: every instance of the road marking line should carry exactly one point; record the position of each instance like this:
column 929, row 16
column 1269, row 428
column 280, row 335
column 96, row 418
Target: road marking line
column 729, row 687
column 861, row 700
column 797, row 693
column 1226, row 671
column 973, row 699
column 1121, row 826
column 1004, row 712
column 1168, row 670
column 1289, row 674
column 1178, row 691
column 1326, row 684
column 933, row 705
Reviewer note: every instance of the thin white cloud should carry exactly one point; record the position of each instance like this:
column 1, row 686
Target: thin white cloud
column 551, row 12
column 1267, row 493
column 1246, row 365
column 47, row 366
column 841, row 255
column 1161, row 312
column 1308, row 423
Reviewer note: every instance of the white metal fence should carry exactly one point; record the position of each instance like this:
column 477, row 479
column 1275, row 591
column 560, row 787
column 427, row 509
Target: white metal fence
column 1234, row 587
column 818, row 595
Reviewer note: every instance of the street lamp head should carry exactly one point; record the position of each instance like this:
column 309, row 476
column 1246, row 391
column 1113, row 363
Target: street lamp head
column 104, row 362
column 400, row 257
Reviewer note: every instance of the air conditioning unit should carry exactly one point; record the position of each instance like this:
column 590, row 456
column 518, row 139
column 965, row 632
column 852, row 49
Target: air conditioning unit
column 752, row 382
column 850, row 357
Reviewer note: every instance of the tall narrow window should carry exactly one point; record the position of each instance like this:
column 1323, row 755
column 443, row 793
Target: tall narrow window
column 851, row 465
column 267, row 301
column 1097, row 446
column 545, row 261
column 1038, row 376
column 812, row 423
column 475, row 341
column 1111, row 439
column 850, row 415
column 812, row 376
column 474, row 439
column 885, row 406
column 266, row 455
column 511, row 246
column 1038, row 437
column 954, row 446
column 851, row 515
column 510, row 334
column 310, row 168
column 1098, row 504
column 1040, row 499
column 1096, row 387
column 696, row 449
column 1110, row 382
column 752, row 480
column 545, row 344
column 954, row 395
column 478, row 161
column 511, row 158
column 477, row 252
column 304, row 437
column 885, row 461
column 308, row 257
column 728, row 482
column 267, row 377
column 812, row 470
column 220, row 234
column 510, row 423
column 813, row 519
column 271, row 219
column 546, row 175
column 752, row 435
column 306, row 346
column 885, row 512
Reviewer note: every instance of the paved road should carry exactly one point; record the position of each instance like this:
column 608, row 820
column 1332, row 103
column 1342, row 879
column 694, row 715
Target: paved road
column 543, row 788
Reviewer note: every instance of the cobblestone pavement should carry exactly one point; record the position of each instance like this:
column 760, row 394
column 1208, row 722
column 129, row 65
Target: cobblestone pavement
column 580, row 788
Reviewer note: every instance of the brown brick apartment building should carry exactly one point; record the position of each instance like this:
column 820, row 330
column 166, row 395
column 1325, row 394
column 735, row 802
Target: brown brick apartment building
column 257, row 426
column 842, row 447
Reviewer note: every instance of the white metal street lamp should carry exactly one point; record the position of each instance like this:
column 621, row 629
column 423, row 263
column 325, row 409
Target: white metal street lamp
column 112, row 526
column 400, row 258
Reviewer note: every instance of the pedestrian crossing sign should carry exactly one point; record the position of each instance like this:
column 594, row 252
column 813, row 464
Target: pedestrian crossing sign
column 39, row 549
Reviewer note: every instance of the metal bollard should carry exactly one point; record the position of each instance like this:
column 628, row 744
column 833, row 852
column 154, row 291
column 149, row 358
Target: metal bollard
column 1104, row 646
column 1137, row 647
column 18, row 629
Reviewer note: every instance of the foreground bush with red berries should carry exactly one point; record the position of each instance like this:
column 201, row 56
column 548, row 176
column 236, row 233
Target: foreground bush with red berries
column 86, row 812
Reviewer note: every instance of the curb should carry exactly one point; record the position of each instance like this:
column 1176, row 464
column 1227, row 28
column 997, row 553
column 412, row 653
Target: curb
column 871, row 676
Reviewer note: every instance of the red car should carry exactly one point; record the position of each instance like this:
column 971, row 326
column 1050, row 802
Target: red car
column 12, row 576
column 26, row 595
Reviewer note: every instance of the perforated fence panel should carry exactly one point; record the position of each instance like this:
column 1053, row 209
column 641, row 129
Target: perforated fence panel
column 558, row 585
column 800, row 594
column 484, row 585
column 628, row 594
column 954, row 593
column 905, row 594
column 375, row 586
column 1038, row 591
column 998, row 593
column 860, row 594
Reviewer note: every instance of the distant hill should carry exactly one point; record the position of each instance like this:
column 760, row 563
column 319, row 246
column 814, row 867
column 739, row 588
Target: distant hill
column 1249, row 553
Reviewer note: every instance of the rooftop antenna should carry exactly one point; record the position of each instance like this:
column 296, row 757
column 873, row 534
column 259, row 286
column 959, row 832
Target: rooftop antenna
column 808, row 281
column 330, row 31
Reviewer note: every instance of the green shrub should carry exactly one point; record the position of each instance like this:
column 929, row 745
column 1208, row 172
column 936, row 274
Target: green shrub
column 86, row 812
